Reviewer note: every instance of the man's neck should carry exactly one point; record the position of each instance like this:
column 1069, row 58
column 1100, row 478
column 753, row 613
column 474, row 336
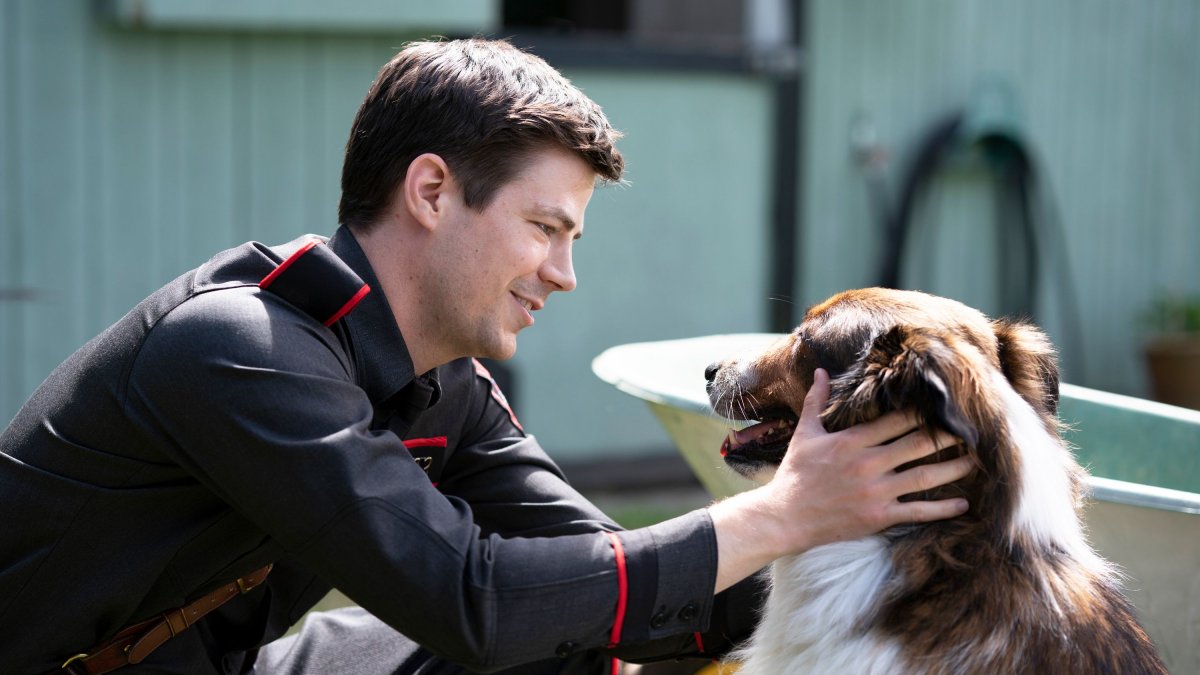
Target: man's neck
column 396, row 263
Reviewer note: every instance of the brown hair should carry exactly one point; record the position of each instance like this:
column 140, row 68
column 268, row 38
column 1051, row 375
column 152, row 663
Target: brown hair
column 482, row 106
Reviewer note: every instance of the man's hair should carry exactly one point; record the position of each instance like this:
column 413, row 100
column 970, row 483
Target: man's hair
column 483, row 106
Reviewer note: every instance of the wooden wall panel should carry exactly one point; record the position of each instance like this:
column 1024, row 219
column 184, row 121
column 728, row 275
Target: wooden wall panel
column 13, row 302
column 50, row 147
column 207, row 169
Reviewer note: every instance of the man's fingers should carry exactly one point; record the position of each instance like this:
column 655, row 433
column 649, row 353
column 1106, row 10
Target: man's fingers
column 917, row 444
column 922, row 512
column 929, row 476
column 814, row 402
column 885, row 428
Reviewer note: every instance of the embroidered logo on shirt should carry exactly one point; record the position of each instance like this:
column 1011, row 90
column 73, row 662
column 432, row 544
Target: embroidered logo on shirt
column 428, row 453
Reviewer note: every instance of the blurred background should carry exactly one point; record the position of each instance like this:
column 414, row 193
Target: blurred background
column 1037, row 159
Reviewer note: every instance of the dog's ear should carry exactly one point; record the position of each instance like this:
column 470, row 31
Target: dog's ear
column 908, row 368
column 1028, row 360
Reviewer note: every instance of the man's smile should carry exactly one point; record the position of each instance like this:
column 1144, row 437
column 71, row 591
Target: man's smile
column 529, row 306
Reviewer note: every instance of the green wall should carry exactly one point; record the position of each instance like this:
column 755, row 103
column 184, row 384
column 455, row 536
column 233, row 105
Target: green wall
column 130, row 154
column 1110, row 94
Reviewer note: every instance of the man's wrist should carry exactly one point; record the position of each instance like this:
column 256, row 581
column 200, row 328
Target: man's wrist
column 749, row 535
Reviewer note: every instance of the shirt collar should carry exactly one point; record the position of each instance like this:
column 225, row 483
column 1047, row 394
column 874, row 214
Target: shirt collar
column 381, row 357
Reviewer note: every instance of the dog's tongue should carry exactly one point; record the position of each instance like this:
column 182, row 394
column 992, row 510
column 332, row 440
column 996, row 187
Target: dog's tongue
column 739, row 437
column 754, row 431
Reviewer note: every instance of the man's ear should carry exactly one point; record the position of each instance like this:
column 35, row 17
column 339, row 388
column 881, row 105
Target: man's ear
column 426, row 189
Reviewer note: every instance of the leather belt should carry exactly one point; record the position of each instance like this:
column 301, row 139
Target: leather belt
column 134, row 643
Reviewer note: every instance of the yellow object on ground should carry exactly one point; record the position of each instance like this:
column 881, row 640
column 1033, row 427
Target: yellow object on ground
column 718, row 669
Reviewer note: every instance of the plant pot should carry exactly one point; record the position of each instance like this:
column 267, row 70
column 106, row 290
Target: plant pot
column 1174, row 364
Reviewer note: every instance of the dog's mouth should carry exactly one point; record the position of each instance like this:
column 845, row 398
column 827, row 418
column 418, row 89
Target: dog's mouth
column 764, row 442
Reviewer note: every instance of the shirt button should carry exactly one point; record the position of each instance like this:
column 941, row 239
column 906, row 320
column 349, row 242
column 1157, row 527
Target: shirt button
column 688, row 612
column 565, row 649
column 658, row 620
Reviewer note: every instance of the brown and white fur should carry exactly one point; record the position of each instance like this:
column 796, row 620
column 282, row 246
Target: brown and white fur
column 1010, row 587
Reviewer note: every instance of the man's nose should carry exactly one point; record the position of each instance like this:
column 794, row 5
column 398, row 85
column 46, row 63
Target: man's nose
column 559, row 270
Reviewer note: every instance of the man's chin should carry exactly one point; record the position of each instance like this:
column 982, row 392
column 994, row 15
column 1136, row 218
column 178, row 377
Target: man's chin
column 501, row 350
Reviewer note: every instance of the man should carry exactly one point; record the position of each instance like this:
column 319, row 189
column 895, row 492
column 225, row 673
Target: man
column 314, row 406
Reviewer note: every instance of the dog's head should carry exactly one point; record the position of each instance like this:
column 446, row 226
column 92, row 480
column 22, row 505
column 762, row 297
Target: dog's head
column 888, row 350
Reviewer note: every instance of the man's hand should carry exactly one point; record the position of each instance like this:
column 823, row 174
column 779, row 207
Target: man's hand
column 833, row 487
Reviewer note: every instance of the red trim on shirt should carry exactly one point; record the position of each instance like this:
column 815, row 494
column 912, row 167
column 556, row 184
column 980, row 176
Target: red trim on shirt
column 267, row 280
column 498, row 395
column 622, row 596
column 622, row 588
column 432, row 442
column 362, row 293
column 699, row 642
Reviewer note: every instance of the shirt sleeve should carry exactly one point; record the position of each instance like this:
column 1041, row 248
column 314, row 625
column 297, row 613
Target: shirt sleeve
column 516, row 489
column 258, row 403
column 513, row 486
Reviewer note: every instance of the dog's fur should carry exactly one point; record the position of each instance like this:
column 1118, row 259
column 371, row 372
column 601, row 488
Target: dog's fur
column 1010, row 587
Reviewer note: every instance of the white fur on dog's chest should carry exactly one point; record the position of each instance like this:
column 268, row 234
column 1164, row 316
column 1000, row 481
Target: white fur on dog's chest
column 813, row 621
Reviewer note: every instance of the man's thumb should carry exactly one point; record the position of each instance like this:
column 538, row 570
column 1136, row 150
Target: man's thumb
column 814, row 402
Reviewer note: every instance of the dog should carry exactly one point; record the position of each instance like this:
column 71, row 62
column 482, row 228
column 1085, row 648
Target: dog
column 1010, row 587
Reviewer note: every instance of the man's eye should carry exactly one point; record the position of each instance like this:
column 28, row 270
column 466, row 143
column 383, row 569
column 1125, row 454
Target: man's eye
column 548, row 229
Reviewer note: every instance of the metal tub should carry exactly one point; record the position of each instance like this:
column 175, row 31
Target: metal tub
column 1144, row 457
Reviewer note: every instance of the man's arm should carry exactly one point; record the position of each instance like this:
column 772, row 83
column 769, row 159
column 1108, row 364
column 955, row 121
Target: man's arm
column 516, row 489
column 832, row 487
column 513, row 486
column 827, row 492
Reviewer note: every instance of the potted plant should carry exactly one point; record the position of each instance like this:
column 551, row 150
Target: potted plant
column 1173, row 351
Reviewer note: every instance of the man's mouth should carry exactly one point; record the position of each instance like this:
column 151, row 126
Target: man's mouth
column 530, row 306
column 766, row 441
column 530, row 302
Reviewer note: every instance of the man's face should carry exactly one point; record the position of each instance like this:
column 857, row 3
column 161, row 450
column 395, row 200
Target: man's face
column 503, row 262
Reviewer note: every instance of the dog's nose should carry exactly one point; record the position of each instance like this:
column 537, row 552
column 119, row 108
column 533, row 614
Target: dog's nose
column 710, row 373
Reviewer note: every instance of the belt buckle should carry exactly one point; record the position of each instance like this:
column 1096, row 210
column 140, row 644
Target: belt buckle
column 68, row 663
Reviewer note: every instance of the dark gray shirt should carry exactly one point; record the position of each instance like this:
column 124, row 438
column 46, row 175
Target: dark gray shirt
column 217, row 427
